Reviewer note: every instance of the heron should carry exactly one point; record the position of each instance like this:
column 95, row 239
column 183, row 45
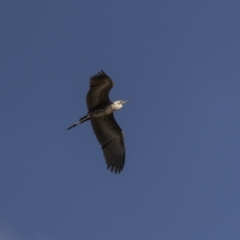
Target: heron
column 100, row 113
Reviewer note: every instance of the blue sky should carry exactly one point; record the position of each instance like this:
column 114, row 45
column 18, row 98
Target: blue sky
column 179, row 63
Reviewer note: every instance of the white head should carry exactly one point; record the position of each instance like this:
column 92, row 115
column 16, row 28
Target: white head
column 119, row 104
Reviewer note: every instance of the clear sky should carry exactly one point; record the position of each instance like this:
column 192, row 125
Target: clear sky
column 179, row 62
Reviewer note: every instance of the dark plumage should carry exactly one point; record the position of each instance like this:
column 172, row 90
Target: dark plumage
column 105, row 127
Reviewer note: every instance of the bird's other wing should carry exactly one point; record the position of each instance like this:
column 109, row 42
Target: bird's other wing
column 100, row 85
column 111, row 138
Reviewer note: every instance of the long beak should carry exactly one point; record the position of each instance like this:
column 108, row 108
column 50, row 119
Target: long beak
column 127, row 101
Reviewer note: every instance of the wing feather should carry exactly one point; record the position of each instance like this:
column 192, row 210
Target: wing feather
column 100, row 86
column 110, row 136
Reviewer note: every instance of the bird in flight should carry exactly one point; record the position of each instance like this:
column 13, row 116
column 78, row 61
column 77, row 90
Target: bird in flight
column 100, row 113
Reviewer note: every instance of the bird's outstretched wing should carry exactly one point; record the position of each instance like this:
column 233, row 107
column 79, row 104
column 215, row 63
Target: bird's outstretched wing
column 100, row 85
column 111, row 138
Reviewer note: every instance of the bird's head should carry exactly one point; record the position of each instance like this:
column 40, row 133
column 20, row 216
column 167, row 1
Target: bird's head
column 119, row 104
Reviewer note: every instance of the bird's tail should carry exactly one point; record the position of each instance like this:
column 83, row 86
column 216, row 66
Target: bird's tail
column 81, row 120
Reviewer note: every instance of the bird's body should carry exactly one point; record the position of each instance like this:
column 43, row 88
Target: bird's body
column 105, row 127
